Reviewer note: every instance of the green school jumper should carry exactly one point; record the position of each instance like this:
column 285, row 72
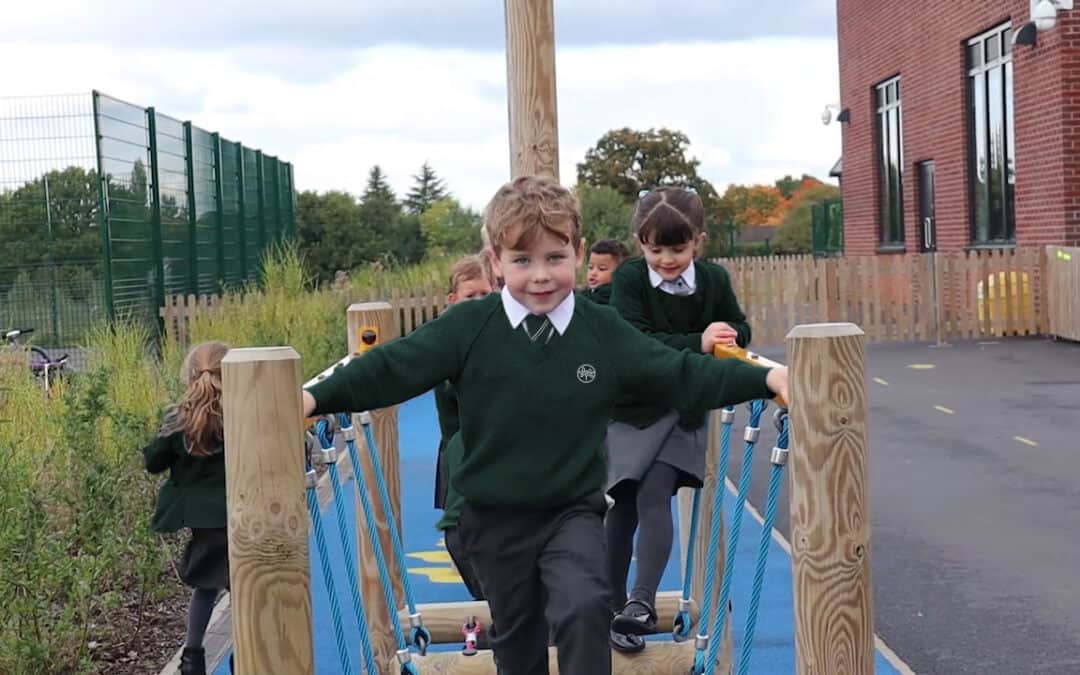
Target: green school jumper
column 194, row 495
column 601, row 295
column 677, row 321
column 534, row 413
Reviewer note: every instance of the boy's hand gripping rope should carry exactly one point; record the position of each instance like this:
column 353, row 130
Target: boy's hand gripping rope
column 708, row 644
column 344, row 655
column 683, row 621
column 326, row 439
column 778, row 459
column 419, row 635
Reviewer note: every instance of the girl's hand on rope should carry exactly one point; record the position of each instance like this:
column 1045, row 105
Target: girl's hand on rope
column 777, row 381
column 717, row 333
column 309, row 403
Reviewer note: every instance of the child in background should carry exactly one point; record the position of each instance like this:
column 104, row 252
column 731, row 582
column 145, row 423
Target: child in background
column 653, row 448
column 604, row 257
column 470, row 279
column 190, row 445
column 537, row 376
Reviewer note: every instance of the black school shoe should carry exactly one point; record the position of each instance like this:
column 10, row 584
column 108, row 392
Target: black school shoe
column 636, row 618
column 193, row 661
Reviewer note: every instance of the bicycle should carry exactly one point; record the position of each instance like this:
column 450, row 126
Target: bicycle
column 41, row 364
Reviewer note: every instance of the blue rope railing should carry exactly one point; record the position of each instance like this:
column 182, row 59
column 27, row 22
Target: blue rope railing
column 344, row 655
column 778, row 460
column 404, row 658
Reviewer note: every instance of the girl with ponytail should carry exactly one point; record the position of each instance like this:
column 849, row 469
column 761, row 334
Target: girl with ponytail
column 190, row 445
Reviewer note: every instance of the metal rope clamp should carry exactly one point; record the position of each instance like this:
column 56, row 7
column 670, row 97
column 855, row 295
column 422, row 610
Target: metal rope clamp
column 751, row 434
column 365, row 417
column 311, row 478
column 349, row 433
column 701, row 642
column 727, row 416
column 415, row 621
column 684, row 605
column 403, row 656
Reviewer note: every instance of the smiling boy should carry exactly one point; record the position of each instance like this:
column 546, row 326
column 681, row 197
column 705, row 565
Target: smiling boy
column 537, row 376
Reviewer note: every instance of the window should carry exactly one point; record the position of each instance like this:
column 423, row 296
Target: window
column 890, row 166
column 991, row 142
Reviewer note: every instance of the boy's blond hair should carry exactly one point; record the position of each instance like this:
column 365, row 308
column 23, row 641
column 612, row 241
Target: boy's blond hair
column 527, row 206
column 476, row 266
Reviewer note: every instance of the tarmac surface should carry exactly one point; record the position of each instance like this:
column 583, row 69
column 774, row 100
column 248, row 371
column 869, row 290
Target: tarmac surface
column 974, row 503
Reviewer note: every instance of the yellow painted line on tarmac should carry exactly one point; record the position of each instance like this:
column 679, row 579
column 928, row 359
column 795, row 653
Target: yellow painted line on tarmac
column 921, row 366
column 1026, row 441
column 881, row 381
column 947, row 411
column 431, row 556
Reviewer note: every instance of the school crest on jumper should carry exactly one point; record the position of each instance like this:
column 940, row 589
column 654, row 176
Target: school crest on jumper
column 586, row 373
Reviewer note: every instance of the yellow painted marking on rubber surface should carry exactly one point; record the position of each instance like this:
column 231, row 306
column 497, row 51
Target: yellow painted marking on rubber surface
column 438, row 575
column 921, row 366
column 947, row 411
column 881, row 381
column 1025, row 441
column 431, row 556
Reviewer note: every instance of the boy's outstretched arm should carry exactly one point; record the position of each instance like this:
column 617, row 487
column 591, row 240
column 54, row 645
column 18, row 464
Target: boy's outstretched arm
column 397, row 371
column 683, row 379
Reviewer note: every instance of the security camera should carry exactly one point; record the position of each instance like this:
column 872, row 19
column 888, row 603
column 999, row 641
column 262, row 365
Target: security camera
column 827, row 114
column 1044, row 15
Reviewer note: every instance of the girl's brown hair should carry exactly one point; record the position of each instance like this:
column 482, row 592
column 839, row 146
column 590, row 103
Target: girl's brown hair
column 669, row 216
column 198, row 414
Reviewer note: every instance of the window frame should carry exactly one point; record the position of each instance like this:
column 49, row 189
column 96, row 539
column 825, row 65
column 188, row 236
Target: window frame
column 889, row 132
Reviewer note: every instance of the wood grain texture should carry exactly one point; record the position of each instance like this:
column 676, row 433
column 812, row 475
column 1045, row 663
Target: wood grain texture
column 380, row 316
column 713, row 482
column 444, row 619
column 531, row 88
column 268, row 519
column 1063, row 289
column 830, row 519
column 659, row 658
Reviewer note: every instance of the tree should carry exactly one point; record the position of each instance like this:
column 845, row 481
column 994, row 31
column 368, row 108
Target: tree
column 427, row 189
column 604, row 213
column 794, row 235
column 380, row 213
column 788, row 184
column 449, row 229
column 629, row 160
column 751, row 205
column 331, row 235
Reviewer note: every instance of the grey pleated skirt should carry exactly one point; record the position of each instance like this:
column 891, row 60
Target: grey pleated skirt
column 631, row 451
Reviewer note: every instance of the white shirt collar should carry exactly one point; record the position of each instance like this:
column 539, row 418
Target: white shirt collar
column 688, row 276
column 559, row 317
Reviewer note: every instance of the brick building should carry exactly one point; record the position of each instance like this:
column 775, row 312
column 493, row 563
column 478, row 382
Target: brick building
column 953, row 136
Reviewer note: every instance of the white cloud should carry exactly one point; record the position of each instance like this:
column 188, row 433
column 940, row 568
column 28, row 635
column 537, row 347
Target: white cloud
column 751, row 108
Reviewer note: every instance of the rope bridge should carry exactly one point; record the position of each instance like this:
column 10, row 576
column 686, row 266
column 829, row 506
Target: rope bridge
column 269, row 527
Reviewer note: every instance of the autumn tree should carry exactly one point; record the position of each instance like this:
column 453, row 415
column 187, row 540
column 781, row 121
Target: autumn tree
column 751, row 205
column 794, row 235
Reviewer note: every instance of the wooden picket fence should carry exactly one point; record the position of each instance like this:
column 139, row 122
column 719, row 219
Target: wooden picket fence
column 1063, row 291
column 900, row 298
column 897, row 298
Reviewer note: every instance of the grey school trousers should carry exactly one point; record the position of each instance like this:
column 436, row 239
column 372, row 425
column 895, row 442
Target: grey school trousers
column 543, row 574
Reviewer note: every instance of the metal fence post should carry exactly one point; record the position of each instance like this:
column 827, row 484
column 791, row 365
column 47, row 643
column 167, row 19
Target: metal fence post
column 193, row 248
column 262, row 200
column 241, row 182
column 102, row 214
column 219, row 197
column 155, row 218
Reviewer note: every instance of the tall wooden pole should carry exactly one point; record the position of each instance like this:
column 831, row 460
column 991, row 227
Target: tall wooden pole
column 371, row 324
column 268, row 515
column 530, row 80
column 830, row 516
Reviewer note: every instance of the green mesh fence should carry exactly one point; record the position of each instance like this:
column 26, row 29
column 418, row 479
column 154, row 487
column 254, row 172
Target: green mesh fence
column 827, row 227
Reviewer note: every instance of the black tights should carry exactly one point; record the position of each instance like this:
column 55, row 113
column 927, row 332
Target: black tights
column 647, row 503
column 199, row 611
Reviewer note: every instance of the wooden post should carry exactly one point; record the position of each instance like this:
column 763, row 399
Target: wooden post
column 661, row 658
column 371, row 324
column 530, row 80
column 830, row 518
column 268, row 515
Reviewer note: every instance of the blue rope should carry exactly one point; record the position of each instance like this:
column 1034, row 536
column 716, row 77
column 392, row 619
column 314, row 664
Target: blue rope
column 407, row 668
column 420, row 637
column 757, row 408
column 683, row 621
column 777, row 471
column 328, row 579
column 326, row 439
column 714, row 542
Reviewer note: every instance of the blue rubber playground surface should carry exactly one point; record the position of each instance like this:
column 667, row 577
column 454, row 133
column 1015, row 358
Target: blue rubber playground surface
column 434, row 580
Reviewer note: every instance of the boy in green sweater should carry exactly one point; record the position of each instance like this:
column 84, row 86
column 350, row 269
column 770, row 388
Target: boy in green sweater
column 605, row 256
column 537, row 376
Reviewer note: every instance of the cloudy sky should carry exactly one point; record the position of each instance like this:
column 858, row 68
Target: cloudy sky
column 336, row 86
